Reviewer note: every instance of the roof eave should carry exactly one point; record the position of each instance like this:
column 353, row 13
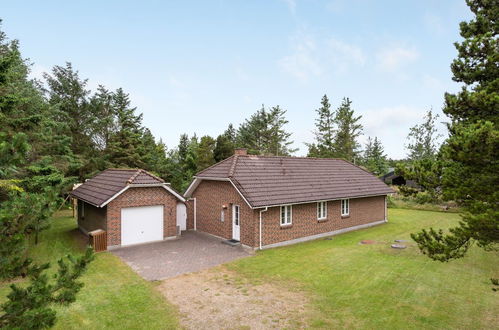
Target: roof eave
column 322, row 200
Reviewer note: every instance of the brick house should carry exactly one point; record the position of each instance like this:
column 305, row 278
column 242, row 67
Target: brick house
column 266, row 201
column 131, row 205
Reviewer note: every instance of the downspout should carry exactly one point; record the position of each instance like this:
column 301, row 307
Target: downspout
column 195, row 214
column 386, row 197
column 261, row 211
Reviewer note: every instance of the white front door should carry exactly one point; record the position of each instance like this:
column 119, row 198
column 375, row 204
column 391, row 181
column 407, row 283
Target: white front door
column 181, row 216
column 141, row 224
column 236, row 223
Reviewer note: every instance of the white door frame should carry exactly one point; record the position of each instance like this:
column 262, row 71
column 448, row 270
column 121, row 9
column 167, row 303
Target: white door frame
column 236, row 222
column 182, row 216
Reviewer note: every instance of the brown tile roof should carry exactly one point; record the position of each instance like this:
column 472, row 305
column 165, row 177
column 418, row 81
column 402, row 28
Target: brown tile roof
column 107, row 183
column 266, row 181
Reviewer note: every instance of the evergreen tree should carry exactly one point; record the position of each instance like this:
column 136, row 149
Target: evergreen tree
column 279, row 139
column 230, row 133
column 68, row 92
column 349, row 129
column 264, row 133
column 470, row 154
column 225, row 144
column 374, row 157
column 253, row 133
column 325, row 131
column 103, row 109
column 125, row 144
column 423, row 139
column 205, row 152
column 29, row 307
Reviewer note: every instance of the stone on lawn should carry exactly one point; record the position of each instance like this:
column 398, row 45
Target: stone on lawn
column 398, row 246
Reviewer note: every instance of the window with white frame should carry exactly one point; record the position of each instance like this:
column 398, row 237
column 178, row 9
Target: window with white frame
column 345, row 207
column 321, row 210
column 286, row 215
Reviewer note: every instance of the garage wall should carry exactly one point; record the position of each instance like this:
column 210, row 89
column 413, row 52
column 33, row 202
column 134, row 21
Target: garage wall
column 146, row 196
column 91, row 217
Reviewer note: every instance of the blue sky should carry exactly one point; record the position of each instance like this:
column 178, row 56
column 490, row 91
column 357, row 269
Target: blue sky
column 196, row 66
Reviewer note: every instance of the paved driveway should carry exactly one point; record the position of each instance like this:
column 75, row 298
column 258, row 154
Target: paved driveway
column 191, row 252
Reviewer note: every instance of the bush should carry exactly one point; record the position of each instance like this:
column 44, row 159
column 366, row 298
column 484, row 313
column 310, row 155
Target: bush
column 408, row 191
column 424, row 197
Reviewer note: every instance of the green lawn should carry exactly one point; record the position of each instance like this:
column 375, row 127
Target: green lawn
column 114, row 297
column 374, row 286
column 351, row 285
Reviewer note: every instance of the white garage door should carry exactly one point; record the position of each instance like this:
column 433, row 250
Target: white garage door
column 141, row 224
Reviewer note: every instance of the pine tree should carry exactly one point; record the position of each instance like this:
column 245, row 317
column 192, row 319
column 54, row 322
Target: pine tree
column 264, row 133
column 68, row 92
column 253, row 133
column 29, row 307
column 374, row 157
column 325, row 131
column 349, row 129
column 470, row 154
column 124, row 145
column 225, row 144
column 279, row 139
column 102, row 105
column 423, row 139
column 205, row 152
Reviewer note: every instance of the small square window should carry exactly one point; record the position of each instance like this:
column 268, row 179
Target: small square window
column 345, row 207
column 321, row 210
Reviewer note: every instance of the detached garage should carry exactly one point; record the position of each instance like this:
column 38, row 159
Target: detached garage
column 131, row 205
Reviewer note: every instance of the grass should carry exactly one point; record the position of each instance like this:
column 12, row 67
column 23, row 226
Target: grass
column 399, row 202
column 114, row 297
column 374, row 286
column 351, row 285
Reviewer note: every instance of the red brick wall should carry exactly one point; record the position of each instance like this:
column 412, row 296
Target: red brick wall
column 305, row 223
column 210, row 196
column 190, row 214
column 146, row 196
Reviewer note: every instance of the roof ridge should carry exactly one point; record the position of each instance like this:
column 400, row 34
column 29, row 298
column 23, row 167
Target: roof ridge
column 134, row 176
column 233, row 166
column 290, row 157
column 153, row 176
column 216, row 164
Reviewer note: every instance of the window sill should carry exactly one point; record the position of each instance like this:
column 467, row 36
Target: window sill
column 322, row 220
column 286, row 226
column 345, row 216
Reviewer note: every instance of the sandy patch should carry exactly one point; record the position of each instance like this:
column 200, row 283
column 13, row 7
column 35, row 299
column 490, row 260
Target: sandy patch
column 220, row 299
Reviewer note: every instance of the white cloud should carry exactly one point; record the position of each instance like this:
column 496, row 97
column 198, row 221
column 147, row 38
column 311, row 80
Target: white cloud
column 391, row 125
column 303, row 63
column 394, row 58
column 241, row 74
column 173, row 81
column 344, row 55
column 434, row 24
column 430, row 82
column 291, row 5
column 335, row 6
column 312, row 57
